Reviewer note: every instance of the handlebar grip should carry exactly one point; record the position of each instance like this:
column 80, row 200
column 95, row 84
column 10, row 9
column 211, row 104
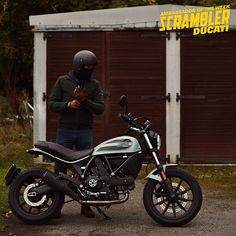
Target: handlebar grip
column 124, row 117
column 147, row 124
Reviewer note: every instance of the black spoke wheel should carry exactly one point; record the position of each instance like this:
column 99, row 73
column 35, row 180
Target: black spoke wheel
column 177, row 210
column 26, row 204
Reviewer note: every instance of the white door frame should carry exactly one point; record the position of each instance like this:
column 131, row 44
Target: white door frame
column 39, row 83
column 173, row 87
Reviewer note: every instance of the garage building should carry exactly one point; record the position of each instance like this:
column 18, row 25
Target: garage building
column 185, row 84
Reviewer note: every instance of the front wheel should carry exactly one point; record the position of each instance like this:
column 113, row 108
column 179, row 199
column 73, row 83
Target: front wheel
column 29, row 207
column 173, row 211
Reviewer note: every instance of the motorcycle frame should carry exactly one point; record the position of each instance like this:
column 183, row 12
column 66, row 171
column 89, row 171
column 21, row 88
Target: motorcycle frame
column 146, row 148
column 78, row 168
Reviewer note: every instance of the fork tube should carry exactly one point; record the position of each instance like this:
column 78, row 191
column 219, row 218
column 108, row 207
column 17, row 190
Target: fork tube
column 159, row 166
column 151, row 149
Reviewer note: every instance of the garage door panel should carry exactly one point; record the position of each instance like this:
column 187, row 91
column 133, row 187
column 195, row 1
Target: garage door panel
column 136, row 68
column 129, row 62
column 208, row 68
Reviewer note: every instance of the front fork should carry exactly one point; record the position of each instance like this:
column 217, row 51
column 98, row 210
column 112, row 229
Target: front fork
column 167, row 183
column 154, row 155
column 159, row 174
column 160, row 170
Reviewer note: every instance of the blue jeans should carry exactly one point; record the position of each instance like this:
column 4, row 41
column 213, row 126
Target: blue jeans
column 73, row 139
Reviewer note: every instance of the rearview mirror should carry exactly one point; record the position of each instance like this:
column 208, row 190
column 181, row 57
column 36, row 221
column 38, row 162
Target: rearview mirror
column 124, row 102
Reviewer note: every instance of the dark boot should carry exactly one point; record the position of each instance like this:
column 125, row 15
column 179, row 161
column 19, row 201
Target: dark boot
column 87, row 211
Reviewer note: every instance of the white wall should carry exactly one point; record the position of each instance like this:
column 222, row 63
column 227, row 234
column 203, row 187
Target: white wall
column 40, row 61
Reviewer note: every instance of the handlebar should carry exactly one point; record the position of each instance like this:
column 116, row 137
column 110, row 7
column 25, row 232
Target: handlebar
column 126, row 117
column 131, row 121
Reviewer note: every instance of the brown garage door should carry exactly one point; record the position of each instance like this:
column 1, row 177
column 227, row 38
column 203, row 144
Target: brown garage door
column 208, row 104
column 131, row 63
column 136, row 67
column 60, row 50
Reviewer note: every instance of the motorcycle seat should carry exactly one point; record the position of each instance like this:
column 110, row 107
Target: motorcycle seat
column 62, row 152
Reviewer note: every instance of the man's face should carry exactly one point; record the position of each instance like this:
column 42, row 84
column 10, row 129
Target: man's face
column 89, row 67
column 86, row 72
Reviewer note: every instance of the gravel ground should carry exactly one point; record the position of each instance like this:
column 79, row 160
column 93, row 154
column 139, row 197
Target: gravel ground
column 217, row 217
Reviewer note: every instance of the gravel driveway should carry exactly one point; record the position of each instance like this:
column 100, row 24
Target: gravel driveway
column 217, row 217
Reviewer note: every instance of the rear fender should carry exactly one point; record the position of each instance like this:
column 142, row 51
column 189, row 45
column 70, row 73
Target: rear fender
column 12, row 174
column 154, row 174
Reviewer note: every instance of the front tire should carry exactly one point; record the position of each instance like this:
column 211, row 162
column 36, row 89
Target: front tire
column 178, row 211
column 25, row 205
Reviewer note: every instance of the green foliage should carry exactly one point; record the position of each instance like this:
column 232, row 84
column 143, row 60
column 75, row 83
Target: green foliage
column 14, row 141
column 5, row 109
column 16, row 47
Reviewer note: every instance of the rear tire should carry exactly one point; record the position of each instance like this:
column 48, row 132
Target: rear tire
column 173, row 212
column 33, row 209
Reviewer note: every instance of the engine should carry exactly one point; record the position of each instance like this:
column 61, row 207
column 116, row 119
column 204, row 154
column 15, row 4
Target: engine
column 97, row 180
column 94, row 183
column 100, row 182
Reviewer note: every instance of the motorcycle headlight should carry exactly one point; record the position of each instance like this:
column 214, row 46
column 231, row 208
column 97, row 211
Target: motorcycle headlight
column 155, row 140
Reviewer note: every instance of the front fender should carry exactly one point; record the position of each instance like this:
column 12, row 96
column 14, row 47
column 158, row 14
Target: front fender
column 153, row 174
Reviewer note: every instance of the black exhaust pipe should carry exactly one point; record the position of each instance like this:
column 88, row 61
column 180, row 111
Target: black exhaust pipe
column 59, row 185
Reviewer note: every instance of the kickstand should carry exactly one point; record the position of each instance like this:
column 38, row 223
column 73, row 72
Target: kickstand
column 100, row 211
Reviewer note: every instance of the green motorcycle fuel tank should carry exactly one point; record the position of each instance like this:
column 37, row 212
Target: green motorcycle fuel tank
column 122, row 151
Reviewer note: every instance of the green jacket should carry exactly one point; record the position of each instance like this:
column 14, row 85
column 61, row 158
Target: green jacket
column 81, row 118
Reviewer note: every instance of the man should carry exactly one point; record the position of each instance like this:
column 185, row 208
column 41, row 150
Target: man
column 76, row 97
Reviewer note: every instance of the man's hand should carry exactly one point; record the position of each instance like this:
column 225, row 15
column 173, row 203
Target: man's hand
column 79, row 95
column 74, row 104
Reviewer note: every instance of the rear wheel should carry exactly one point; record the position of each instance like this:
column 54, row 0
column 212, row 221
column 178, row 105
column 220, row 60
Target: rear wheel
column 177, row 210
column 26, row 204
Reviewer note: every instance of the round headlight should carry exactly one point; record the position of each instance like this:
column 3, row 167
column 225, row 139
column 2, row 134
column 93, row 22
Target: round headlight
column 155, row 140
column 158, row 142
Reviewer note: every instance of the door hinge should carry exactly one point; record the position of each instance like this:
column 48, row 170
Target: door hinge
column 45, row 36
column 178, row 35
column 45, row 97
column 177, row 158
column 190, row 97
column 167, row 159
column 168, row 35
column 158, row 98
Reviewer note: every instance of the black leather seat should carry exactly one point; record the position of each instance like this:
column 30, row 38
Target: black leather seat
column 62, row 152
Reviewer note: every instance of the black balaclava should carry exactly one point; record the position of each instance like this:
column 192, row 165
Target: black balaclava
column 83, row 73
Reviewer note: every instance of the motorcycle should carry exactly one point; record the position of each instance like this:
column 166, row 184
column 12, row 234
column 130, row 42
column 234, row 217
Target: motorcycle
column 103, row 176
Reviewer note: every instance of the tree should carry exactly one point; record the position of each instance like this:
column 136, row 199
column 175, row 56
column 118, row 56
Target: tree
column 16, row 43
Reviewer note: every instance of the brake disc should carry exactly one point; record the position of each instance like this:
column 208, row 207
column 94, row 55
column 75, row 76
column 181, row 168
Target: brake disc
column 30, row 196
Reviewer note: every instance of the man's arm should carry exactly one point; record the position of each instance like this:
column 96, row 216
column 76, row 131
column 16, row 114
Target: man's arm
column 55, row 102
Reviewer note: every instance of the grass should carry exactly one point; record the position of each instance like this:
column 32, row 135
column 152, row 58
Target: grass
column 218, row 182
column 14, row 141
